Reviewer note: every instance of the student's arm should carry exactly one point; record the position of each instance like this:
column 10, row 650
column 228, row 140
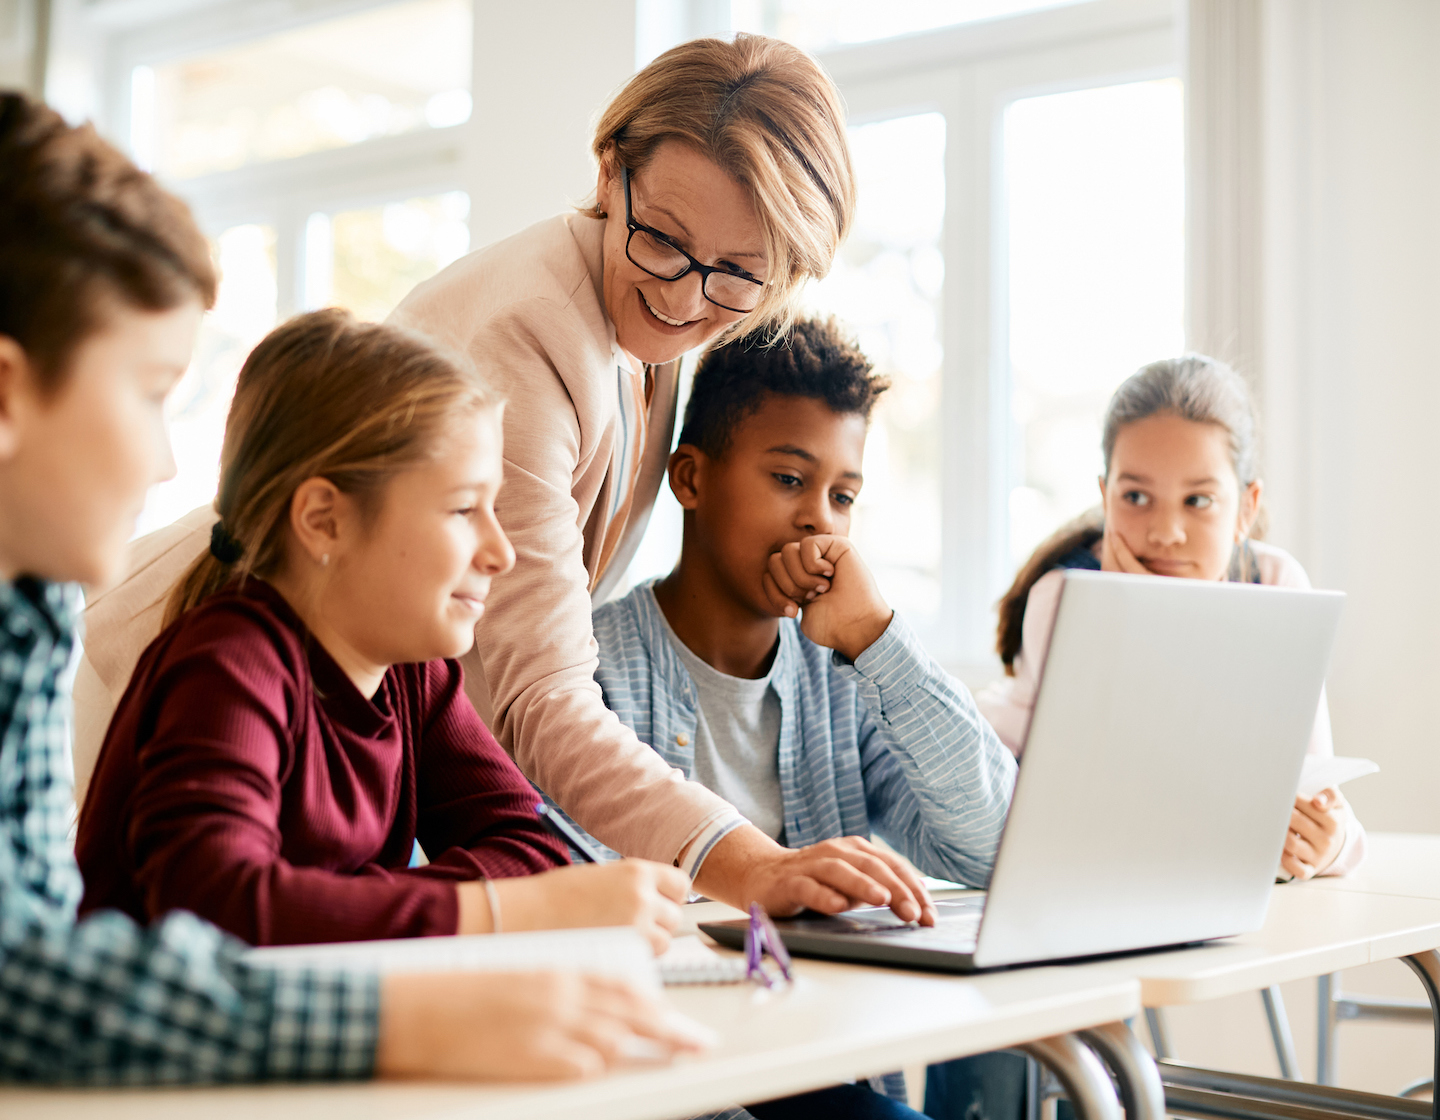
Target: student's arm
column 476, row 810
column 938, row 780
column 204, row 831
column 106, row 1002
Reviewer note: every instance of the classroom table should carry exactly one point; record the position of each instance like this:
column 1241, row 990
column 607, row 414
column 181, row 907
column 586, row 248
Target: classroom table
column 1406, row 864
column 837, row 1023
column 1388, row 909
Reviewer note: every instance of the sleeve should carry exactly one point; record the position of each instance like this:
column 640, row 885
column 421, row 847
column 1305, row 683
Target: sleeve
column 106, row 1002
column 476, row 810
column 938, row 780
column 204, row 831
column 537, row 649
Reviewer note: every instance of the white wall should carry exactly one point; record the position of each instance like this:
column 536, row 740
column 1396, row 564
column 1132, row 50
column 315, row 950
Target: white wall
column 543, row 70
column 1350, row 379
column 22, row 26
column 1352, row 369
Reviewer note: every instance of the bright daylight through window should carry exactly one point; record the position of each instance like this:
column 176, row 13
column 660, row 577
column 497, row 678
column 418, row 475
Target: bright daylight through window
column 1094, row 207
column 342, row 81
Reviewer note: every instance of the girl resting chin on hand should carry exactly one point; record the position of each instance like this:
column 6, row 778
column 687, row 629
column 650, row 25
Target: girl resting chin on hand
column 1180, row 497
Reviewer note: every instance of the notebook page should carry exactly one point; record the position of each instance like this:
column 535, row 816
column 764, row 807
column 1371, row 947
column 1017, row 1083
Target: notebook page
column 617, row 951
column 1321, row 771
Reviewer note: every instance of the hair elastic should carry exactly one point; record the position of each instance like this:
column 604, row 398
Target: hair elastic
column 223, row 546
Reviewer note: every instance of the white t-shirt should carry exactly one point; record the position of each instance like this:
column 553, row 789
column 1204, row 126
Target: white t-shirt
column 737, row 740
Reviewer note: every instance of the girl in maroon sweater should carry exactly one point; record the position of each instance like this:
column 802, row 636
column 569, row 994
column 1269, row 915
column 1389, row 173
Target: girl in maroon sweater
column 301, row 722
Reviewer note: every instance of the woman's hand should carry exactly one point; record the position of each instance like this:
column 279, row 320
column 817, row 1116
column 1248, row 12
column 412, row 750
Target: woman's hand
column 747, row 866
column 517, row 1026
column 1115, row 555
column 629, row 892
column 824, row 577
column 1317, row 833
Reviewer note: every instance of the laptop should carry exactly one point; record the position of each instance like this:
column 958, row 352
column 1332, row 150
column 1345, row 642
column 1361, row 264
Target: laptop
column 1156, row 786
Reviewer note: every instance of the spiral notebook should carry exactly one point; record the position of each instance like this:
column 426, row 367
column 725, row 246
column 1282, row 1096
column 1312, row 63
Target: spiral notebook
column 690, row 961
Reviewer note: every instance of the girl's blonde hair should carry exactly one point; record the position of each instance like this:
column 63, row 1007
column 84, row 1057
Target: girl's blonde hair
column 323, row 395
column 1192, row 387
column 770, row 117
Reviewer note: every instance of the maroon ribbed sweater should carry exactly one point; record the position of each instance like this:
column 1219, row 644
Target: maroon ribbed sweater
column 246, row 779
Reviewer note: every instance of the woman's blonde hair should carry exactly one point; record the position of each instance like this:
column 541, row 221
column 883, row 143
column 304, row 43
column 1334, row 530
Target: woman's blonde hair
column 1192, row 387
column 769, row 116
column 323, row 395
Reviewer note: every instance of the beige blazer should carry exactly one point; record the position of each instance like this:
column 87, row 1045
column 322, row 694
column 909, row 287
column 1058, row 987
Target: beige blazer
column 530, row 312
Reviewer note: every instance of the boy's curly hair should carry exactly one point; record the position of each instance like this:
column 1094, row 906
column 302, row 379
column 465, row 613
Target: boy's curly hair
column 80, row 223
column 814, row 358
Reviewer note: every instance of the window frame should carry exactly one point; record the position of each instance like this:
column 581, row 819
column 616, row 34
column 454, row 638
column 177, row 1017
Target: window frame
column 970, row 74
column 283, row 193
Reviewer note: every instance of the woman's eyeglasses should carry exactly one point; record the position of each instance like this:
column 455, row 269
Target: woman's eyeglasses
column 651, row 250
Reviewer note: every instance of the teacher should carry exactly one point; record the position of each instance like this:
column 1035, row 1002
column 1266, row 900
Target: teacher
column 724, row 184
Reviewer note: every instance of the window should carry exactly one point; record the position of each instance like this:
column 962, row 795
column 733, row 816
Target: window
column 1018, row 252
column 381, row 72
column 886, row 287
column 319, row 155
column 820, row 24
column 1094, row 212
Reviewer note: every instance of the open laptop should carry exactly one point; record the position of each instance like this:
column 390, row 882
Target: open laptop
column 1155, row 793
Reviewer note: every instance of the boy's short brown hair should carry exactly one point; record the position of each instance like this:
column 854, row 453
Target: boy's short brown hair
column 80, row 223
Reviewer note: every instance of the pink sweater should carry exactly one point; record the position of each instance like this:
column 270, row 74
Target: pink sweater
column 1008, row 704
column 530, row 311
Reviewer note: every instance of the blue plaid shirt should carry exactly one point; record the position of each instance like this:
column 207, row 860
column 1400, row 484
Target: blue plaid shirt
column 105, row 1001
column 891, row 743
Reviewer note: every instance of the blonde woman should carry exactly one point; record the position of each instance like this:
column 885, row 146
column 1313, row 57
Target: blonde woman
column 724, row 183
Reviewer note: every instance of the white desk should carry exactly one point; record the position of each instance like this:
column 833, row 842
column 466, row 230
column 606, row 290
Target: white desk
column 1389, row 909
column 838, row 1023
column 1406, row 864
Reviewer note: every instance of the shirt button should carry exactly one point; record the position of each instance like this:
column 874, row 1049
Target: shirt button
column 682, row 740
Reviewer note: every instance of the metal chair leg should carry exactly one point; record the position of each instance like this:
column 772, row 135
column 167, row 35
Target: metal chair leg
column 1325, row 1057
column 1280, row 1033
column 1159, row 1040
column 1426, row 966
column 1415, row 1088
column 1081, row 1072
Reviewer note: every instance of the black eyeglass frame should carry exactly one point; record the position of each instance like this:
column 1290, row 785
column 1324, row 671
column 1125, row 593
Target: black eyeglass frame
column 705, row 270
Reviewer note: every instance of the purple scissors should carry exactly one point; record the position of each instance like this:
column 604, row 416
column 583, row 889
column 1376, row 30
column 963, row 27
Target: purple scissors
column 762, row 937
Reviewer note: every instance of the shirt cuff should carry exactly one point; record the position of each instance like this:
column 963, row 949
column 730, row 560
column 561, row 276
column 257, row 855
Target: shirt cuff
column 323, row 1025
column 895, row 660
column 708, row 836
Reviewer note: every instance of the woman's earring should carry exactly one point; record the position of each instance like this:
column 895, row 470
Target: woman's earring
column 325, row 560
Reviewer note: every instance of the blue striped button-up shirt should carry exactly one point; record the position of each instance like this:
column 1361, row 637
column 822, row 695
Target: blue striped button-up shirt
column 105, row 1001
column 891, row 744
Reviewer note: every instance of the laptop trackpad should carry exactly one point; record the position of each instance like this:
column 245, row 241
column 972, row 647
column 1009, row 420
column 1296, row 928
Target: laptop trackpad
column 880, row 919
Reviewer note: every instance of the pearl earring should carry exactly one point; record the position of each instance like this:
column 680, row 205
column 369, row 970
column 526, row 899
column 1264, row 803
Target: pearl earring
column 325, row 560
